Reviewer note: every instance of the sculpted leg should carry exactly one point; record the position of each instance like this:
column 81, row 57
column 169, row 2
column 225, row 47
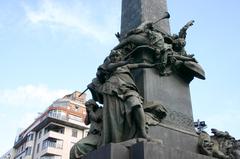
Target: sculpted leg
column 140, row 122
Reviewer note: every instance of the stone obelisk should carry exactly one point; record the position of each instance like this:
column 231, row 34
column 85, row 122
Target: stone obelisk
column 134, row 12
column 177, row 129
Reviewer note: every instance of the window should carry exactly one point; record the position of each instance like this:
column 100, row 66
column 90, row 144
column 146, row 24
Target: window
column 28, row 151
column 52, row 142
column 44, row 145
column 61, row 131
column 55, row 128
column 74, row 132
column 30, row 137
column 40, row 134
column 85, row 133
column 57, row 114
column 38, row 146
column 46, row 131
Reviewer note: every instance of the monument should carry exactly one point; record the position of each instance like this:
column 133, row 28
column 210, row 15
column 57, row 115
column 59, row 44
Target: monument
column 172, row 91
column 144, row 87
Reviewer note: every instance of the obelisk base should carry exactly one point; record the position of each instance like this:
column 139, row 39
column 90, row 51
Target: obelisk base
column 142, row 150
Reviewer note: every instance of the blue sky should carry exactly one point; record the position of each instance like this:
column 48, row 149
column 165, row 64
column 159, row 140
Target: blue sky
column 49, row 48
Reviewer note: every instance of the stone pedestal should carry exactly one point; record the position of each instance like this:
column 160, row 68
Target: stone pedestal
column 175, row 138
column 157, row 151
column 142, row 150
column 110, row 151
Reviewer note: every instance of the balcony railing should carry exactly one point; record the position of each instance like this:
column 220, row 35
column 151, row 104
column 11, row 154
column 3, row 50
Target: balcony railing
column 51, row 157
column 57, row 116
column 47, row 143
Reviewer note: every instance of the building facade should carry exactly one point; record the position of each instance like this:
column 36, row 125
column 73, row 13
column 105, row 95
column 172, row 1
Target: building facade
column 54, row 132
column 8, row 155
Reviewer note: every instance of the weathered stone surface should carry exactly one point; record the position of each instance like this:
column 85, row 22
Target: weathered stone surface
column 175, row 138
column 171, row 91
column 134, row 12
column 143, row 150
column 177, row 129
column 110, row 151
column 157, row 151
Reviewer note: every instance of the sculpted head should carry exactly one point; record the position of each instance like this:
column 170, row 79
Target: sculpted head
column 115, row 56
column 91, row 104
column 205, row 144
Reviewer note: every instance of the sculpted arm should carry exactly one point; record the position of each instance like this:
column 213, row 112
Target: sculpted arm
column 86, row 120
column 184, row 58
column 183, row 32
column 93, row 116
column 113, row 66
column 141, row 65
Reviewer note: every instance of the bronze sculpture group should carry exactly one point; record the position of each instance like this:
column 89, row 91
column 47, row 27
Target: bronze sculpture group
column 89, row 143
column 220, row 145
column 125, row 115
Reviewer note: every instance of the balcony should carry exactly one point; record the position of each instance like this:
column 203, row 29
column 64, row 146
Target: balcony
column 55, row 128
column 57, row 115
column 51, row 157
column 52, row 143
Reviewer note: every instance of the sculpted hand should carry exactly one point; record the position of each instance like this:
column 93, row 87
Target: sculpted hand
column 190, row 23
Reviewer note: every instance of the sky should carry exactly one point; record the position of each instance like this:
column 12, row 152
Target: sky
column 49, row 48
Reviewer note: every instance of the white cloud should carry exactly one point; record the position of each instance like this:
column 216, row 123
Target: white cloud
column 20, row 106
column 2, row 116
column 30, row 96
column 75, row 17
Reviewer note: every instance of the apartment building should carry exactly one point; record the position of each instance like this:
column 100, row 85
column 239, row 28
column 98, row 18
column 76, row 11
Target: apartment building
column 9, row 154
column 54, row 132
